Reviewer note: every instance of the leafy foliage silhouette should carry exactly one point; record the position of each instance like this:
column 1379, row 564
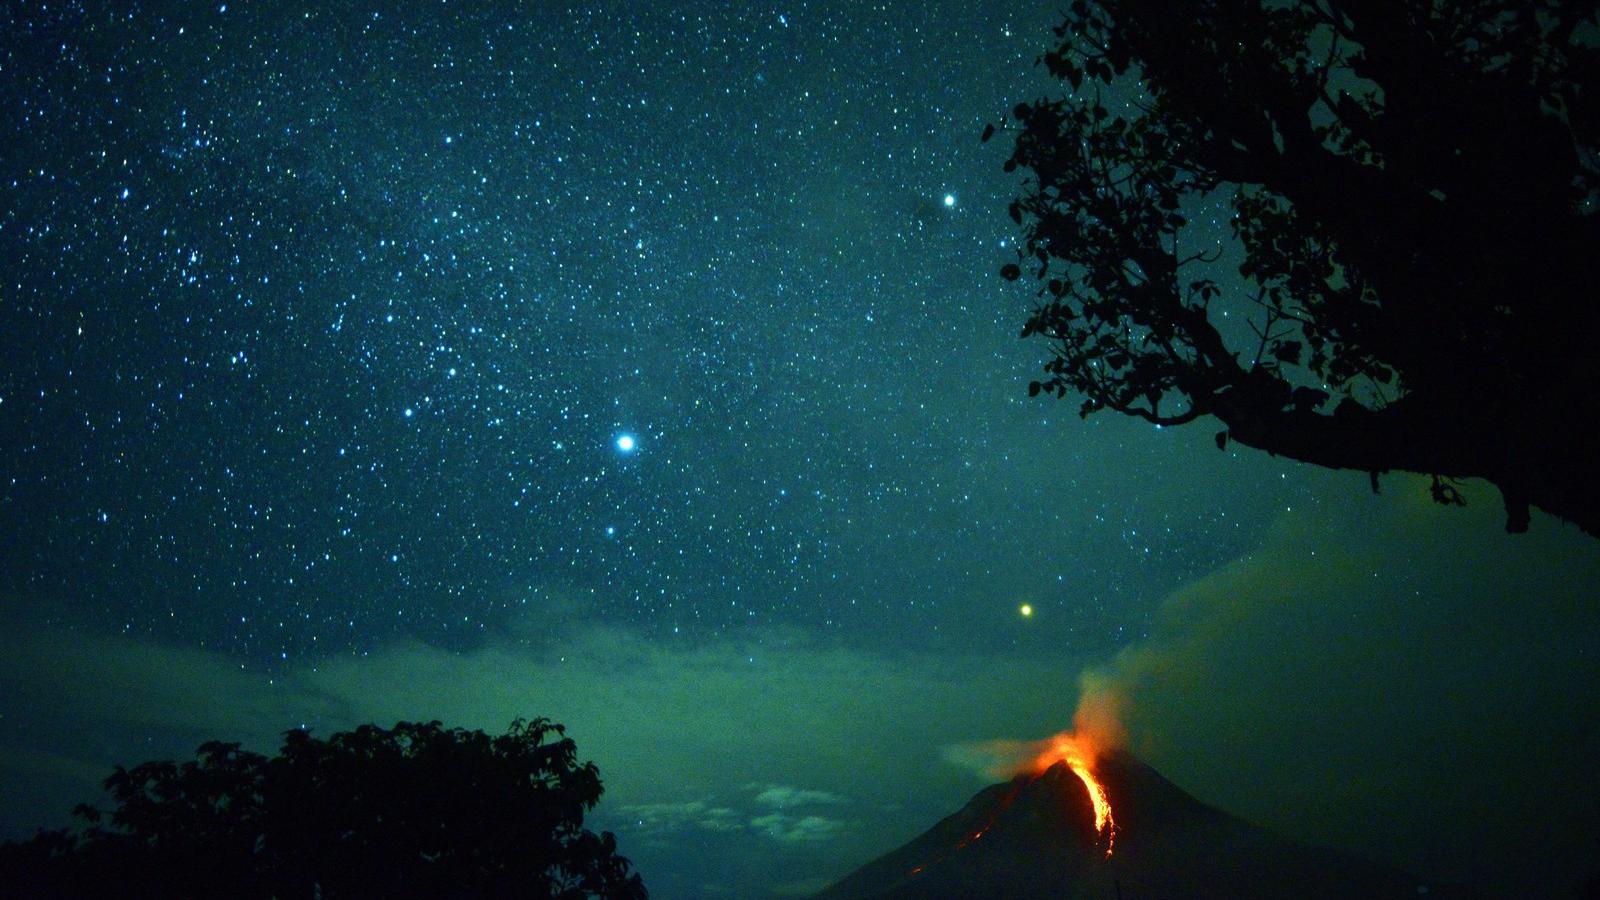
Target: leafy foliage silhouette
column 1415, row 197
column 413, row 811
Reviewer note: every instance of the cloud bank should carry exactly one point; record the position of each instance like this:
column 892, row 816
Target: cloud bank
column 1379, row 675
column 1388, row 676
column 726, row 764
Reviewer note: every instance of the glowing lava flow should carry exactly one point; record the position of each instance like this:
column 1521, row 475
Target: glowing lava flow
column 1079, row 757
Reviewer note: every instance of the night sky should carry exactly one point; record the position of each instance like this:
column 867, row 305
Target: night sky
column 646, row 366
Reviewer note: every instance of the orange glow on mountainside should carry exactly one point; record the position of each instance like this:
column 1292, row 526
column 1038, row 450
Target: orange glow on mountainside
column 1079, row 755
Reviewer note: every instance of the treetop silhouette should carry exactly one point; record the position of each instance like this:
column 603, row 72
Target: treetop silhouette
column 1413, row 187
column 413, row 811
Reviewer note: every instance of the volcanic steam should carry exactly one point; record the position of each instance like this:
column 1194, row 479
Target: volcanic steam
column 1096, row 730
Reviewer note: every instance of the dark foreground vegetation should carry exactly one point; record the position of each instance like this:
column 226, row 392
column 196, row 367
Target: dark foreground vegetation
column 418, row 810
column 1413, row 190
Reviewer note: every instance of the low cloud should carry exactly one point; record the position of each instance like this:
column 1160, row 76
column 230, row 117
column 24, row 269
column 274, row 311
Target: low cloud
column 660, row 817
column 732, row 746
column 797, row 829
column 783, row 796
column 764, row 811
column 1362, row 679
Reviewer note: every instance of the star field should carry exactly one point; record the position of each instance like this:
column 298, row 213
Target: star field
column 648, row 366
column 330, row 326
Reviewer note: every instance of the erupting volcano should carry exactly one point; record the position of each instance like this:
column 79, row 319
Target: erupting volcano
column 1048, row 833
column 1079, row 755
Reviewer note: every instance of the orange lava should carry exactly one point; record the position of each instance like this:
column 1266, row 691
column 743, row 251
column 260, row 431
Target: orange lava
column 1079, row 755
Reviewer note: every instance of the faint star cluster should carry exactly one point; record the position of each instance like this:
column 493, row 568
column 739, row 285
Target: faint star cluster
column 318, row 324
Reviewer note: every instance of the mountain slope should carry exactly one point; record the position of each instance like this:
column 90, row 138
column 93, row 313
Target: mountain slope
column 1034, row 837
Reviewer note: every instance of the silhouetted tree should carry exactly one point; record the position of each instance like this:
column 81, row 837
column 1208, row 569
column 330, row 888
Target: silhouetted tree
column 1414, row 188
column 414, row 811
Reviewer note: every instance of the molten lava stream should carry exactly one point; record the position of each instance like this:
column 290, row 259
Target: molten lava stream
column 1079, row 757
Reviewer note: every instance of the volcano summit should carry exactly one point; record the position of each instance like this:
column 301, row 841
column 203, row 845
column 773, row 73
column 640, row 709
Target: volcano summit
column 1036, row 836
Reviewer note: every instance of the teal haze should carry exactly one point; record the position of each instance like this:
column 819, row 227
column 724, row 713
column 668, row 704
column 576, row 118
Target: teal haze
column 645, row 366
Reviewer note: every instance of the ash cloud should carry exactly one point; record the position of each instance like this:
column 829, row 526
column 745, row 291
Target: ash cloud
column 1366, row 680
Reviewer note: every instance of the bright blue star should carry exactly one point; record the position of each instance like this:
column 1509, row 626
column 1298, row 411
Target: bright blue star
column 949, row 199
column 626, row 443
